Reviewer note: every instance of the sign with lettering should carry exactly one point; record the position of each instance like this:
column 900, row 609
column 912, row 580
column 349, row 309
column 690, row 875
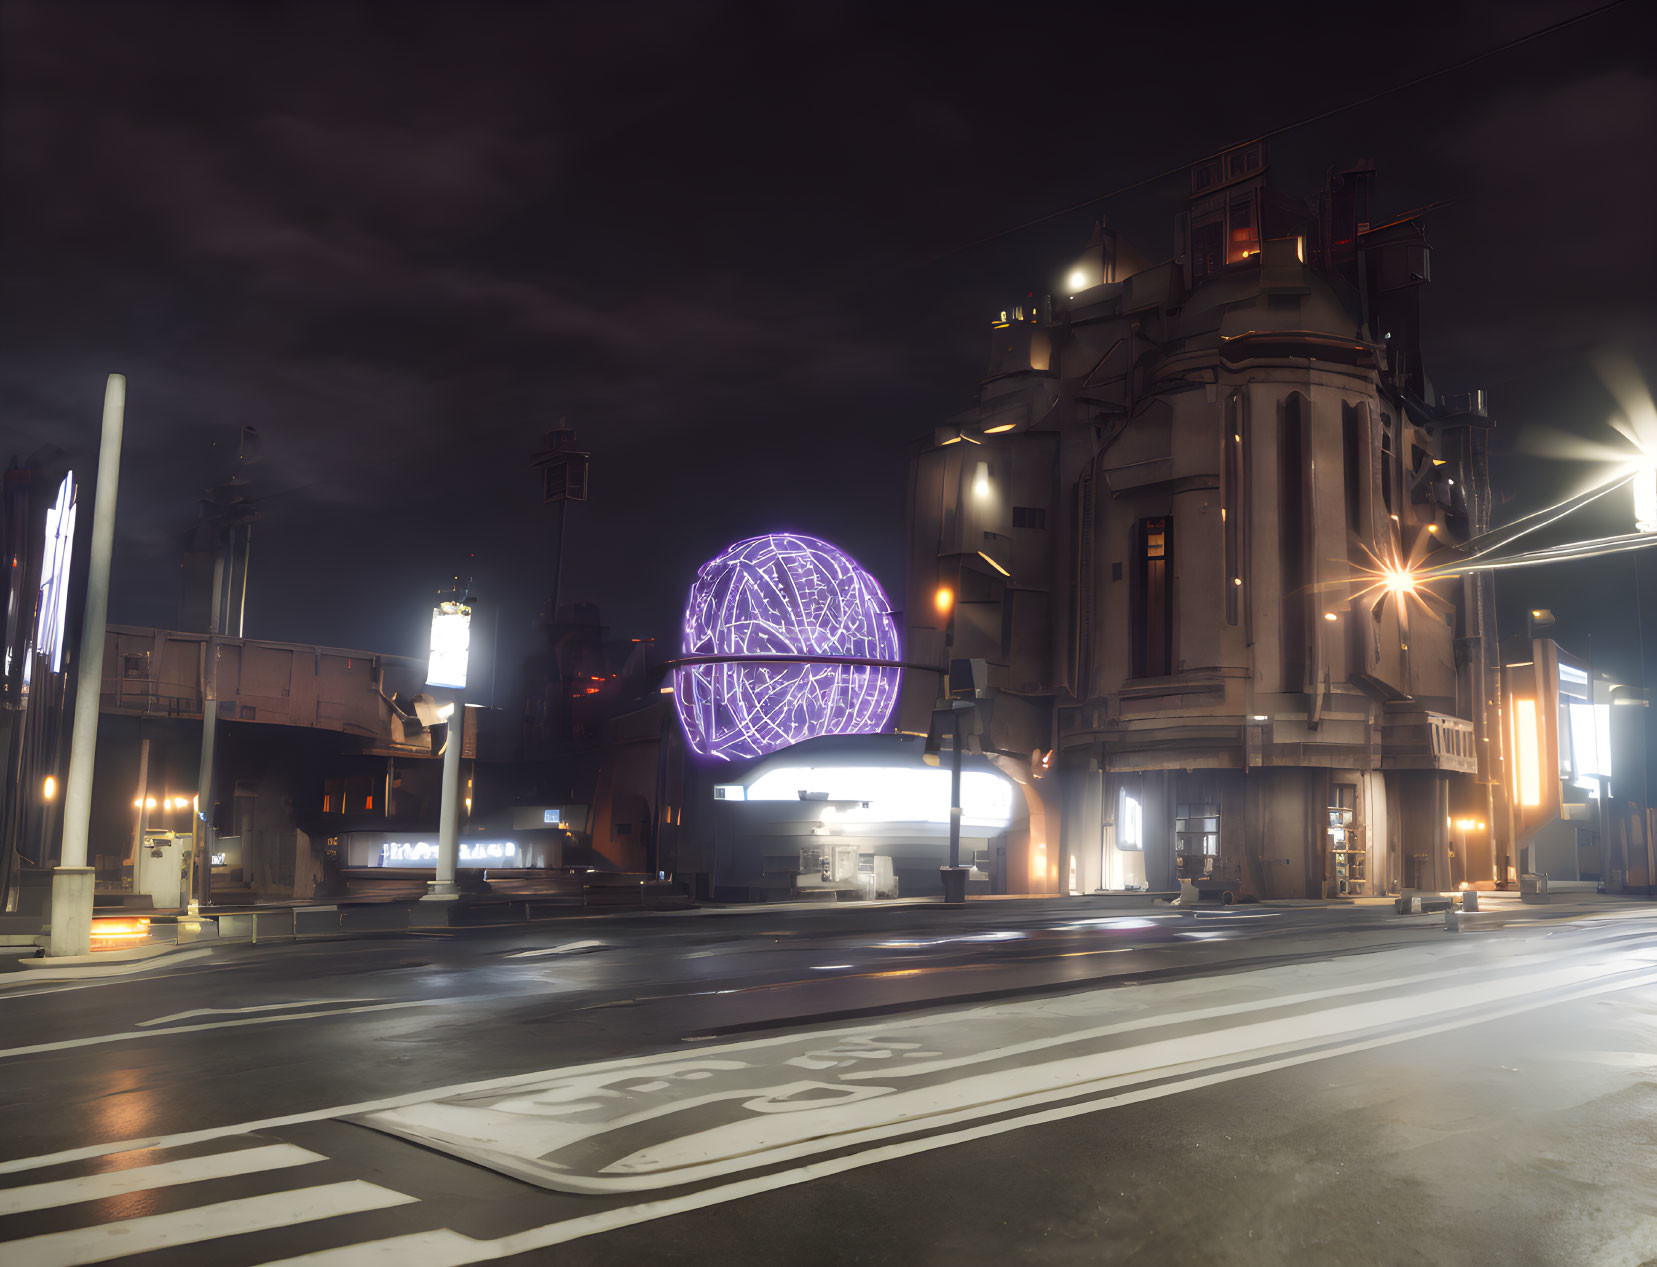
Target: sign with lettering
column 475, row 853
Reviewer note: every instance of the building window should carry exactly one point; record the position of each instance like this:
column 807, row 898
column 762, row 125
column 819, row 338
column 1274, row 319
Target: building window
column 1244, row 237
column 1154, row 628
column 1029, row 517
column 1130, row 823
column 1346, row 851
column 1355, row 452
column 1207, row 249
column 1196, row 841
column 1293, row 540
column 1388, row 460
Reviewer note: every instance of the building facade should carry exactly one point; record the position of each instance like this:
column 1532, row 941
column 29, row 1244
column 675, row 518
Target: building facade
column 1578, row 785
column 1179, row 527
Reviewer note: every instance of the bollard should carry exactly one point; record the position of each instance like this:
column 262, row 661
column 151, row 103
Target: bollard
column 1451, row 924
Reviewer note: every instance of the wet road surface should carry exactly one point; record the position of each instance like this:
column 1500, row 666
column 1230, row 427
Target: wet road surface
column 1016, row 1081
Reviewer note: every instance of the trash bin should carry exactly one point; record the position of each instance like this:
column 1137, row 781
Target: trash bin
column 955, row 883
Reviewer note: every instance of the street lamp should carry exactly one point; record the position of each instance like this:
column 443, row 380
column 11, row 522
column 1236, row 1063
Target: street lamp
column 451, row 638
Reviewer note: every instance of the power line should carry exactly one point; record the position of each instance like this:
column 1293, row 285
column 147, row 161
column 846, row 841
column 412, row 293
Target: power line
column 1166, row 173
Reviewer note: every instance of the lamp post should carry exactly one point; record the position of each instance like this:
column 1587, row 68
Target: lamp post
column 72, row 881
column 964, row 684
column 450, row 649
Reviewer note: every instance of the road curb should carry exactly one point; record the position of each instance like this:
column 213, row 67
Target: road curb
column 94, row 967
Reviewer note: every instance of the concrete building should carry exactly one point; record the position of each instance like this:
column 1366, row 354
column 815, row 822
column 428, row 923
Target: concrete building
column 1178, row 526
column 1577, row 739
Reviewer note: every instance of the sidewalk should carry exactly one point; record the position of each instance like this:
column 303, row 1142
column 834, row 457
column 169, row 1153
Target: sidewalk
column 130, row 942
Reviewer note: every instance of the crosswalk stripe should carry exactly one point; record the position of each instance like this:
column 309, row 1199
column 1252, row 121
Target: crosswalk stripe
column 114, row 1183
column 205, row 1223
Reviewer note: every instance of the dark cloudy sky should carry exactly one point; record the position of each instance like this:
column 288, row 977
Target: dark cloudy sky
column 403, row 239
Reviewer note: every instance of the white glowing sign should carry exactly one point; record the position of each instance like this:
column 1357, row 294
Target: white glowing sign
column 1591, row 744
column 451, row 638
column 890, row 794
column 52, row 607
column 1130, row 826
column 1645, row 499
column 478, row 853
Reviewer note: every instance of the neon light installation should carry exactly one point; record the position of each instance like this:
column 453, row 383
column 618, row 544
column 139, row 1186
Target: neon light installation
column 53, row 604
column 784, row 595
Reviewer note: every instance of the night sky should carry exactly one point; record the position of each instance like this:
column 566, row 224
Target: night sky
column 405, row 239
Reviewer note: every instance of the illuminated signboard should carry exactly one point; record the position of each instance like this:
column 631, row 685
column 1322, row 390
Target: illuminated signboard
column 53, row 604
column 1527, row 753
column 451, row 637
column 884, row 794
column 552, row 816
column 473, row 853
column 792, row 596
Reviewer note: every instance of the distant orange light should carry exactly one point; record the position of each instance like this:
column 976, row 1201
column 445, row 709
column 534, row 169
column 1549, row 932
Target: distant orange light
column 109, row 934
column 944, row 600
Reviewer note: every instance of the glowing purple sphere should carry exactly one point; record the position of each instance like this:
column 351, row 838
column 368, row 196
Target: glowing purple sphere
column 784, row 595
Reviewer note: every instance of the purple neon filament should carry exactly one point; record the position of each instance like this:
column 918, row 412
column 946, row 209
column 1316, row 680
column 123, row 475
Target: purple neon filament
column 784, row 594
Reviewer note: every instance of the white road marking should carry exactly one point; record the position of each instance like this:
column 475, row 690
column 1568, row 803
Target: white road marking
column 750, row 1134
column 204, row 1134
column 205, row 1223
column 68, row 1044
column 115, row 1183
column 568, row 948
column 257, row 1007
column 446, row 1248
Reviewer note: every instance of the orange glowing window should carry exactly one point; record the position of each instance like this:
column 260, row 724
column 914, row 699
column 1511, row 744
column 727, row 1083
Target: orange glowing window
column 1527, row 772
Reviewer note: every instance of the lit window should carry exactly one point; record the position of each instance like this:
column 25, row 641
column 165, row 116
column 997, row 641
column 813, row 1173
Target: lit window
column 1196, row 841
column 1526, row 751
column 1130, row 824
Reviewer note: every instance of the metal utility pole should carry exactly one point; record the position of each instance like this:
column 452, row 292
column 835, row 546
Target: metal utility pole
column 201, row 889
column 963, row 684
column 247, row 557
column 72, row 881
column 564, row 471
column 143, row 797
column 1645, row 742
column 955, row 790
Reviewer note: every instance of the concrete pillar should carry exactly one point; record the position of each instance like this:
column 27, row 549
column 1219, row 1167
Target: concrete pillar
column 71, row 925
column 442, row 886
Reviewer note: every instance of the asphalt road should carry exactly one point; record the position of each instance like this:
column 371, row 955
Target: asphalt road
column 1026, row 1082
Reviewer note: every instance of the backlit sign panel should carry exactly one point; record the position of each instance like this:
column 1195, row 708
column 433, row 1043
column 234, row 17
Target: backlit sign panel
column 450, row 641
column 473, row 853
